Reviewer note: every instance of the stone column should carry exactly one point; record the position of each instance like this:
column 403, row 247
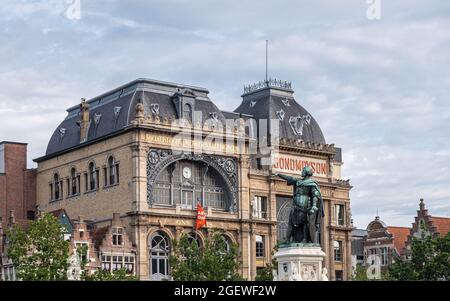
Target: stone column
column 139, row 176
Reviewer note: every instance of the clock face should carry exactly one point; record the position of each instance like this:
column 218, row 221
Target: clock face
column 187, row 172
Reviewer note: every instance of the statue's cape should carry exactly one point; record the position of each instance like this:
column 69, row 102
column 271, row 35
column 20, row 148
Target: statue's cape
column 311, row 182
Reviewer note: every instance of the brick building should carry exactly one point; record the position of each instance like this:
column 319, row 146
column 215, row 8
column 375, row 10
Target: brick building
column 17, row 196
column 17, row 183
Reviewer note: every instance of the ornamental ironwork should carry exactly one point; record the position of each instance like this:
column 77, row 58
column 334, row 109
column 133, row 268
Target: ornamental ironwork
column 159, row 159
column 268, row 83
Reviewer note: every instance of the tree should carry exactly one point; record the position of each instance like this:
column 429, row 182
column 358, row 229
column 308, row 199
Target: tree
column 430, row 261
column 266, row 273
column 41, row 253
column 103, row 275
column 214, row 261
column 100, row 274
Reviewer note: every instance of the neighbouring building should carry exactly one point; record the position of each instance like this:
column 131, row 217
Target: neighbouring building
column 358, row 238
column 383, row 244
column 150, row 150
column 17, row 196
column 17, row 182
column 425, row 225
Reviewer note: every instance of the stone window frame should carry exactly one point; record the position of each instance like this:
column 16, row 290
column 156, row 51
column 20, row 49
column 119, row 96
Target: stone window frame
column 107, row 171
column 335, row 214
column 70, row 179
column 53, row 184
column 265, row 215
column 338, row 250
column 117, row 235
column 260, row 246
column 110, row 263
column 88, row 177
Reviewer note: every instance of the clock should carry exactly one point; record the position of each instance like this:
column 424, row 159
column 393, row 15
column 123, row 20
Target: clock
column 187, row 172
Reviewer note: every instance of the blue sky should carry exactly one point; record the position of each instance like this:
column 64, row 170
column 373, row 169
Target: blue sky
column 380, row 89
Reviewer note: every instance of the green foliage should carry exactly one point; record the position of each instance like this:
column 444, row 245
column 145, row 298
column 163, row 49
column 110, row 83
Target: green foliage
column 360, row 273
column 102, row 275
column 430, row 261
column 39, row 254
column 266, row 273
column 211, row 262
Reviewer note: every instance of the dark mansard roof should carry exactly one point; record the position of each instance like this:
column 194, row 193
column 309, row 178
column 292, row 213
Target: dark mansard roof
column 113, row 111
column 272, row 101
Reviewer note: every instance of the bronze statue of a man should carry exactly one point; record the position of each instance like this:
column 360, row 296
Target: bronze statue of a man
column 307, row 208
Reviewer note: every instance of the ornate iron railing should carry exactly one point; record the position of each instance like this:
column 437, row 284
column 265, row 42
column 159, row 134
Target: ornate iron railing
column 268, row 83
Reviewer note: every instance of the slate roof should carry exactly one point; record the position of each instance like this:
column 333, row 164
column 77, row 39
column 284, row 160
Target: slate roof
column 115, row 110
column 112, row 112
column 279, row 104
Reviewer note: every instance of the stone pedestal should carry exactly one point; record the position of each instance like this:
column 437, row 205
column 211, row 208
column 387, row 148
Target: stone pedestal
column 299, row 262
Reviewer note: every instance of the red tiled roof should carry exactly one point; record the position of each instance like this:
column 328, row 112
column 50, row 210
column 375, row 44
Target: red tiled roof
column 400, row 235
column 442, row 224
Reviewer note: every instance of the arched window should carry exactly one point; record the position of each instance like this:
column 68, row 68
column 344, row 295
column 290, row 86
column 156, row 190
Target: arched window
column 57, row 187
column 193, row 237
column 93, row 177
column 159, row 256
column 187, row 112
column 185, row 183
column 227, row 243
column 74, row 187
column 113, row 171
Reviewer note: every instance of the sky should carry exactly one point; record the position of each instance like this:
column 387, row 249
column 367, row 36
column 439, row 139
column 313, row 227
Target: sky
column 376, row 78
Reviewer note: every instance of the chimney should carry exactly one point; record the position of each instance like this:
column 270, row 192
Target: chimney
column 116, row 218
column 84, row 122
column 80, row 219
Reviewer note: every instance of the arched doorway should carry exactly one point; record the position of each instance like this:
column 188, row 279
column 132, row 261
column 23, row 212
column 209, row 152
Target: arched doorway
column 159, row 249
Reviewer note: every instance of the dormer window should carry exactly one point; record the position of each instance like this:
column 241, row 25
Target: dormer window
column 187, row 112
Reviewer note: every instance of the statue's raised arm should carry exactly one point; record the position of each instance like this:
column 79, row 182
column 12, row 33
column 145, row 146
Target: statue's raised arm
column 290, row 180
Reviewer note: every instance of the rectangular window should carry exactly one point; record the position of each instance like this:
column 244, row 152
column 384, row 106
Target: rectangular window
column 30, row 215
column 338, row 250
column 117, row 236
column 105, row 176
column 339, row 214
column 259, row 246
column 259, row 207
column 82, row 247
column 384, row 256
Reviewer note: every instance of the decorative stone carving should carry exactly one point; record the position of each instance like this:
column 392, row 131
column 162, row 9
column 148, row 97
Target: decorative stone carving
column 159, row 159
column 298, row 122
column 155, row 108
column 139, row 110
column 62, row 133
column 285, row 101
column 280, row 114
column 300, row 263
column 117, row 110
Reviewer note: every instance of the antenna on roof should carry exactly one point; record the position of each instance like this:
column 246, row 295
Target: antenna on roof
column 267, row 59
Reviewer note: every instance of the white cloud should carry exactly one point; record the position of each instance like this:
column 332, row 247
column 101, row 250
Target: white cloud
column 378, row 89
